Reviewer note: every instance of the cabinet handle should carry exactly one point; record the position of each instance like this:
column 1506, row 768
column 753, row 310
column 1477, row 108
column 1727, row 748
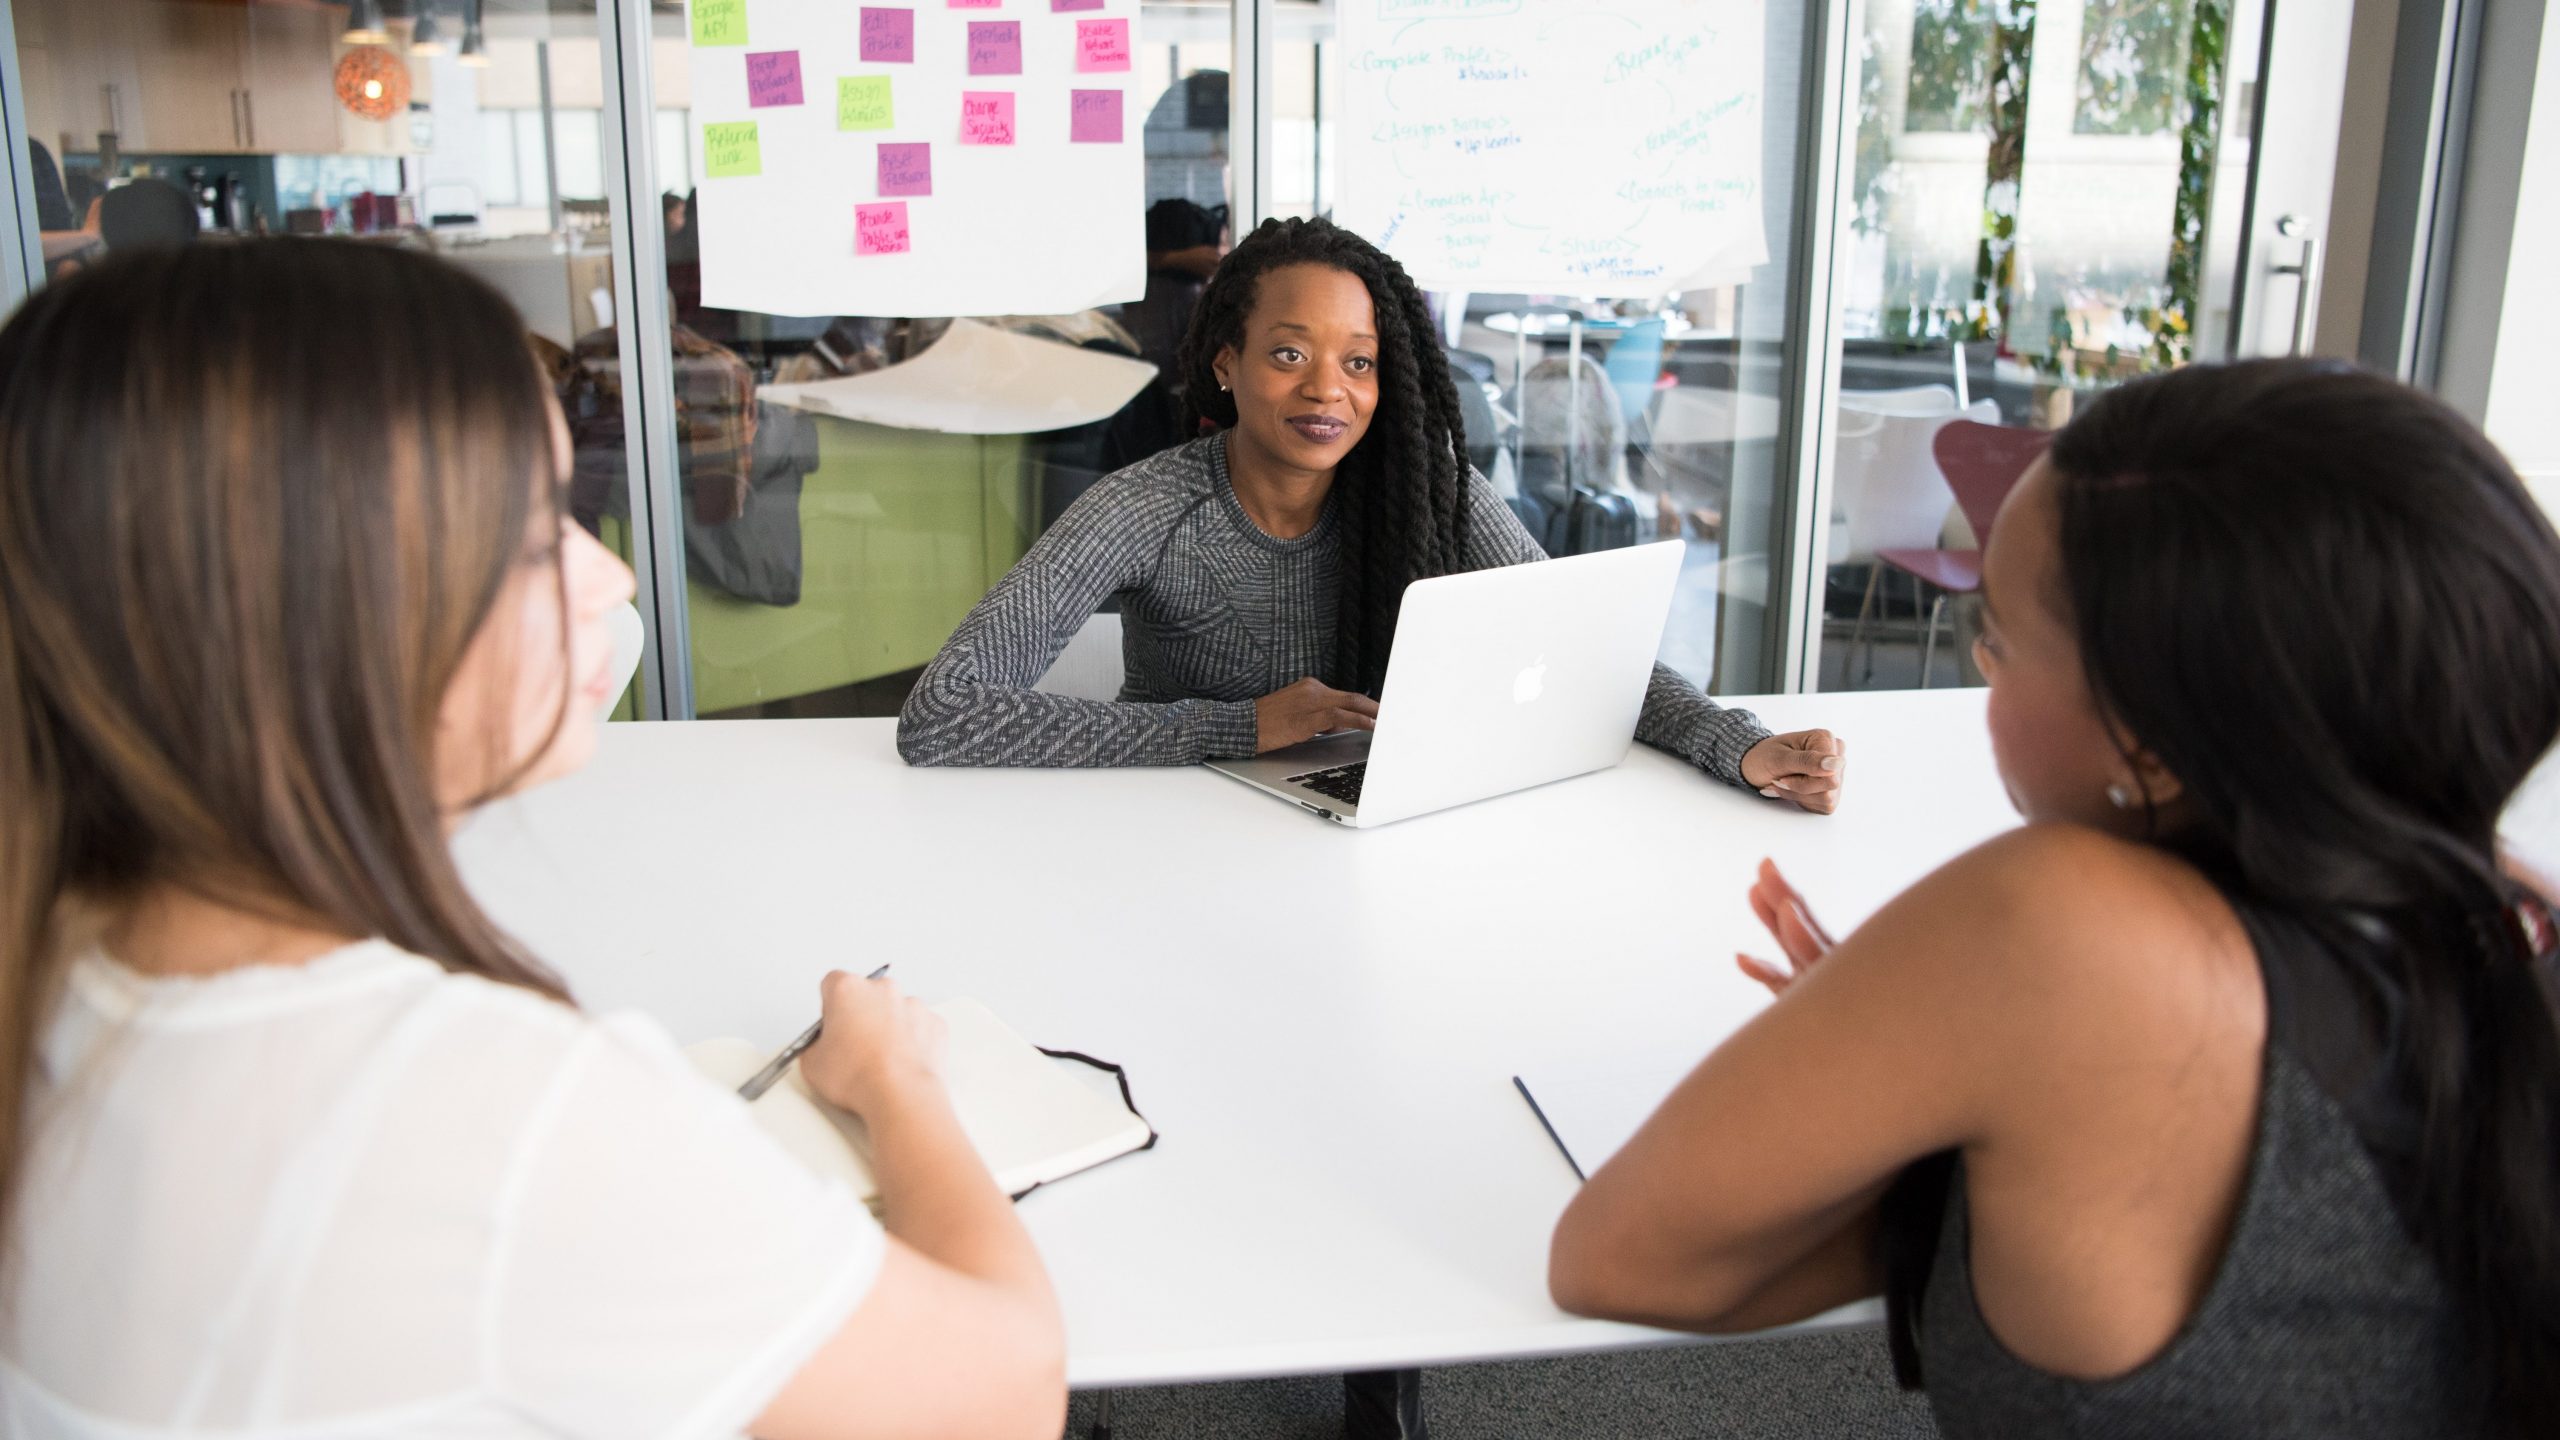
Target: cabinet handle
column 249, row 118
column 239, row 131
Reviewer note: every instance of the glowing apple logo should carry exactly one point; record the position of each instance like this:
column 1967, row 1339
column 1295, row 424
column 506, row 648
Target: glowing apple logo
column 1529, row 684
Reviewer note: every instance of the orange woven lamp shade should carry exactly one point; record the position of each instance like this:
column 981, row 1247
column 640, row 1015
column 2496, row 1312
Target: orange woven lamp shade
column 372, row 82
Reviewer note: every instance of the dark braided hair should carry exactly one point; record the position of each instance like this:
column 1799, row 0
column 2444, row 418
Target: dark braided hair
column 1401, row 492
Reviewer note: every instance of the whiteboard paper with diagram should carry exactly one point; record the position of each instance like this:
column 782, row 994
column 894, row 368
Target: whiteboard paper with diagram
column 1607, row 149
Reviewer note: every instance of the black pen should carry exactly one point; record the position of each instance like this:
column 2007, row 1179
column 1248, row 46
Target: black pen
column 762, row 1080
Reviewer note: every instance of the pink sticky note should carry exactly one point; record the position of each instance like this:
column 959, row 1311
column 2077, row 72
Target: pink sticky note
column 880, row 229
column 986, row 117
column 888, row 35
column 773, row 78
column 977, row 4
column 1101, row 45
column 906, row 169
column 995, row 47
column 1061, row 6
column 1095, row 117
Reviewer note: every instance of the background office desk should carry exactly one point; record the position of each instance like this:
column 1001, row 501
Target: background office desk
column 1323, row 1023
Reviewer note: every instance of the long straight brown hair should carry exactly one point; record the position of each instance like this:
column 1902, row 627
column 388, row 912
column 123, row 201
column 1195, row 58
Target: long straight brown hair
column 255, row 501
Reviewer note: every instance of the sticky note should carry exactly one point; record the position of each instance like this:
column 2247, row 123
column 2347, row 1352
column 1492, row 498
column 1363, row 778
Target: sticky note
column 986, row 117
column 1101, row 45
column 977, row 4
column 862, row 103
column 719, row 22
column 732, row 149
column 1061, row 6
column 906, row 169
column 773, row 78
column 889, row 35
column 880, row 229
column 1094, row 117
column 995, row 47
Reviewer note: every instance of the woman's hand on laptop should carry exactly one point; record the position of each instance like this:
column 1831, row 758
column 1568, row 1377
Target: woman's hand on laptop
column 1306, row 710
column 1805, row 767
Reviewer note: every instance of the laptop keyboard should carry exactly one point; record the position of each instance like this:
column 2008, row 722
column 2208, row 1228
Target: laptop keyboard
column 1342, row 782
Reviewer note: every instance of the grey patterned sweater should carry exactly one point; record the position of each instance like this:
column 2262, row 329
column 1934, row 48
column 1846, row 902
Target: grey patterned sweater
column 1214, row 614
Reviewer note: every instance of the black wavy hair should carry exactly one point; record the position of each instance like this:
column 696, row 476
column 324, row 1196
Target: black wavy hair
column 1400, row 495
column 2325, row 603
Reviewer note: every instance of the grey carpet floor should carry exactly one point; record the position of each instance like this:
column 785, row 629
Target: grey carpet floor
column 1812, row 1387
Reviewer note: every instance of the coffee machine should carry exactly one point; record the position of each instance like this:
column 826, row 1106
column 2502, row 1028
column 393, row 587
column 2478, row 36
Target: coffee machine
column 222, row 200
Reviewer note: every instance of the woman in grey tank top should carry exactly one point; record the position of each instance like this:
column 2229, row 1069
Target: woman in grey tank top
column 2217, row 1100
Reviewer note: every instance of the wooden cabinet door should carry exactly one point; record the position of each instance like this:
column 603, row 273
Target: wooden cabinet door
column 189, row 60
column 292, row 55
column 93, row 78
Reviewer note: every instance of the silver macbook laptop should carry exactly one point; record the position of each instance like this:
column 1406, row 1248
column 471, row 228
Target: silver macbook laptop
column 1502, row 679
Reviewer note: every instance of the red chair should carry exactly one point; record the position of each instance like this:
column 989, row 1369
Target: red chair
column 1982, row 464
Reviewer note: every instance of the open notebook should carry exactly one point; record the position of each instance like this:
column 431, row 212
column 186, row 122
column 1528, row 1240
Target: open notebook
column 1032, row 1119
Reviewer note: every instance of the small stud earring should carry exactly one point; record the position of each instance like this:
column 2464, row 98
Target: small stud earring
column 2120, row 797
column 1222, row 389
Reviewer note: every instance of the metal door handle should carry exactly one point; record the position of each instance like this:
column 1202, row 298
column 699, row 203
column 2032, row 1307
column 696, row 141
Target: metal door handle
column 2307, row 271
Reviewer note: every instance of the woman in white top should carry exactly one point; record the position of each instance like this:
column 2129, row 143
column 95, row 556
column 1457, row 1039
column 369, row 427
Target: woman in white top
column 296, row 1143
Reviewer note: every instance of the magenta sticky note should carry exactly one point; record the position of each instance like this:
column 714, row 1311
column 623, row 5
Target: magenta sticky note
column 906, row 169
column 995, row 47
column 880, row 229
column 1094, row 117
column 1061, row 6
column 773, row 78
column 986, row 117
column 1102, row 45
column 888, row 35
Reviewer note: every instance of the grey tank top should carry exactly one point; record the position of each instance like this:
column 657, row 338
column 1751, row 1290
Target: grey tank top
column 2323, row 1318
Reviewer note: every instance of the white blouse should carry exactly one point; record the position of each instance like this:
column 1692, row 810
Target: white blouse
column 366, row 1197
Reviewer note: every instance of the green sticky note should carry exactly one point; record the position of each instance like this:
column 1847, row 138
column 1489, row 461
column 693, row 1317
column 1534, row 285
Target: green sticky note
column 731, row 150
column 862, row 102
column 719, row 22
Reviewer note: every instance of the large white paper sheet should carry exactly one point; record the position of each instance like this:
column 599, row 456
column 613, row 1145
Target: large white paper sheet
column 979, row 380
column 1605, row 149
column 1046, row 225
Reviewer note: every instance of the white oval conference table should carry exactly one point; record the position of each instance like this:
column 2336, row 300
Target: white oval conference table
column 1322, row 1023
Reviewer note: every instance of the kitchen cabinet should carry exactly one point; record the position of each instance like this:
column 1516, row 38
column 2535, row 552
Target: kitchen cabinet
column 188, row 58
column 83, row 77
column 193, row 77
column 293, row 105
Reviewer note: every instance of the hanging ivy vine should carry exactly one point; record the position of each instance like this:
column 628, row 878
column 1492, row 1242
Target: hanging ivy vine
column 2013, row 39
column 2199, row 148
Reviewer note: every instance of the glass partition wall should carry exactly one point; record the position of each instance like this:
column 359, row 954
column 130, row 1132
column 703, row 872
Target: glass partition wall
column 2017, row 201
column 2043, row 199
column 469, row 129
column 1608, row 423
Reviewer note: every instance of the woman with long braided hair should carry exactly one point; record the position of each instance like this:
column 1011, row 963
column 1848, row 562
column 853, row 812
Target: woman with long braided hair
column 1259, row 569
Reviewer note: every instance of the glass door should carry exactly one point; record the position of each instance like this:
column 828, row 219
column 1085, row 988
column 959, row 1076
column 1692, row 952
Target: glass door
column 2046, row 198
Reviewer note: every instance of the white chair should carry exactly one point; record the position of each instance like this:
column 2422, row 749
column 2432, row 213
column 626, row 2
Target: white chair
column 1890, row 493
column 1090, row 668
column 628, row 638
column 1911, row 400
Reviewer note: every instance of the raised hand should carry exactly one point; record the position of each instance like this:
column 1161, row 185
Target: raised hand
column 1800, row 937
